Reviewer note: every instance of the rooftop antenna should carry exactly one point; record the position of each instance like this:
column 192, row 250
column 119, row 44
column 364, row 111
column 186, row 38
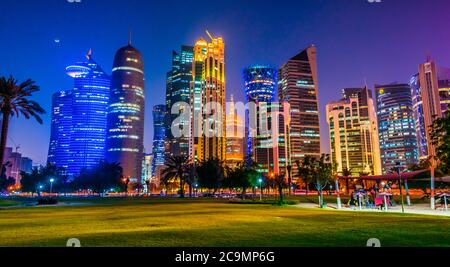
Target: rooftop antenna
column 210, row 36
column 428, row 53
column 129, row 37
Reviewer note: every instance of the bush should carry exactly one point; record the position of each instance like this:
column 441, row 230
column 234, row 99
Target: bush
column 47, row 201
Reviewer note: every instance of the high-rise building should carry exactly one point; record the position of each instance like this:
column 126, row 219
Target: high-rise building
column 235, row 136
column 159, row 115
column 396, row 126
column 208, row 97
column 61, row 128
column 147, row 172
column 125, row 137
column 270, row 141
column 431, row 98
column 178, row 91
column 79, row 119
column 298, row 85
column 15, row 164
column 354, row 137
column 260, row 83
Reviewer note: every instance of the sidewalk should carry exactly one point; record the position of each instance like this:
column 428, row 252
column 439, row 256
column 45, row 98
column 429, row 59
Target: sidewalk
column 420, row 209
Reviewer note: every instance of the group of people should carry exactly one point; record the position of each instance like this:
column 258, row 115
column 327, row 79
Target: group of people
column 372, row 198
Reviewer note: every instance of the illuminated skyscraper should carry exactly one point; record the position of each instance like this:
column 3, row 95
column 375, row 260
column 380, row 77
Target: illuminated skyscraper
column 79, row 119
column 235, row 136
column 298, row 85
column 61, row 127
column 125, row 138
column 431, row 98
column 178, row 91
column 354, row 133
column 208, row 96
column 159, row 115
column 396, row 126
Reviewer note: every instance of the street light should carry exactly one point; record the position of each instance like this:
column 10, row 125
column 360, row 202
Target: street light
column 51, row 185
column 400, row 185
column 260, row 188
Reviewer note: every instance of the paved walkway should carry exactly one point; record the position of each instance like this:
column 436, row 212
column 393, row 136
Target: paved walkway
column 422, row 209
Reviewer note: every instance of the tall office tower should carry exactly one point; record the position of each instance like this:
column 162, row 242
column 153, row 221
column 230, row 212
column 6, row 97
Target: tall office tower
column 271, row 149
column 79, row 119
column 431, row 95
column 125, row 137
column 298, row 85
column 419, row 119
column 178, row 91
column 159, row 114
column 208, row 96
column 61, row 127
column 396, row 126
column 147, row 173
column 354, row 132
column 16, row 164
column 235, row 135
column 260, row 87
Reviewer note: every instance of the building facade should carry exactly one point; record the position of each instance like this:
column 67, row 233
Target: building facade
column 298, row 85
column 159, row 115
column 353, row 129
column 125, row 136
column 178, row 83
column 396, row 126
column 15, row 164
column 431, row 98
column 79, row 119
column 235, row 135
column 208, row 101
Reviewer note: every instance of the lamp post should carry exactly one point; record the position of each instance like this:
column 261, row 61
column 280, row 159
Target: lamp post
column 260, row 189
column 51, row 185
column 400, row 185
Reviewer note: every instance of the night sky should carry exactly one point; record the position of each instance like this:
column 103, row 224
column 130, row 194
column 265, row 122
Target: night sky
column 357, row 41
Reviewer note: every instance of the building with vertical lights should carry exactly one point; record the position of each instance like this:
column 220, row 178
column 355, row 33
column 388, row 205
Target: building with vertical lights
column 208, row 97
column 353, row 129
column 431, row 97
column 260, row 83
column 61, row 127
column 178, row 91
column 15, row 164
column 235, row 136
column 298, row 85
column 396, row 126
column 271, row 150
column 125, row 137
column 159, row 115
column 79, row 119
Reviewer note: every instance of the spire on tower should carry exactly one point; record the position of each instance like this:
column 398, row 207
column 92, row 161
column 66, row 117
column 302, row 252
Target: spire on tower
column 89, row 54
column 129, row 37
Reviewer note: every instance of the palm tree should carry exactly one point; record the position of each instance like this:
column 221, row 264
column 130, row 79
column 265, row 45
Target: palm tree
column 14, row 100
column 175, row 169
column 346, row 172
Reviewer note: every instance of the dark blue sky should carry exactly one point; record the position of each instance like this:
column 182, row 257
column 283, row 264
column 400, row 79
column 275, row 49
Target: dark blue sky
column 356, row 41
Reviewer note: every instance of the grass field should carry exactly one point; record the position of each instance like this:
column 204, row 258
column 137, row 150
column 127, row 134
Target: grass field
column 171, row 222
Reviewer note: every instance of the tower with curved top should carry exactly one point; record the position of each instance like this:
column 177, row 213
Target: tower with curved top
column 125, row 136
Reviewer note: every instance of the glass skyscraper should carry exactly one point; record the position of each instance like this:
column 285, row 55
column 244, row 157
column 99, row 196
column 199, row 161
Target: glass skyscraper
column 178, row 90
column 159, row 114
column 125, row 136
column 79, row 119
column 396, row 126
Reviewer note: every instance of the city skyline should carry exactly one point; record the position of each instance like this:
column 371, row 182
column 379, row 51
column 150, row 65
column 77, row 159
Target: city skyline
column 364, row 65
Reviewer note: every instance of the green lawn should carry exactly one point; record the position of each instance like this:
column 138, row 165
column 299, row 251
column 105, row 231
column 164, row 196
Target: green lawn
column 166, row 222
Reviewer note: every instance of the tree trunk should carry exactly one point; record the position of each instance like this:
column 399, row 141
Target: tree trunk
column 4, row 137
column 280, row 192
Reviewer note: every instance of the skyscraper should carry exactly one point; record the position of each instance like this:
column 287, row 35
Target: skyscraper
column 235, row 136
column 260, row 83
column 431, row 95
column 79, row 119
column 396, row 126
column 298, row 85
column 159, row 115
column 178, row 91
column 208, row 96
column 125, row 137
column 61, row 127
column 354, row 137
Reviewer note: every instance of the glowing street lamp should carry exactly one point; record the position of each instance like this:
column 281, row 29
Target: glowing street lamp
column 51, row 185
